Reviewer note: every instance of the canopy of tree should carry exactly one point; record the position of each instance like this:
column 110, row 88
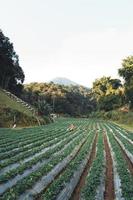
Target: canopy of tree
column 11, row 74
column 126, row 71
column 108, row 93
column 50, row 97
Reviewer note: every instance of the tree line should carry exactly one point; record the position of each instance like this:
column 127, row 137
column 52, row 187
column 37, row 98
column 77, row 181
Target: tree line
column 112, row 93
column 11, row 74
column 106, row 93
column 54, row 98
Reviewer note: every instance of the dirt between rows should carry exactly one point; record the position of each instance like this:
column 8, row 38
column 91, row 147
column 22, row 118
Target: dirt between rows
column 129, row 163
column 39, row 196
column 109, row 180
column 77, row 191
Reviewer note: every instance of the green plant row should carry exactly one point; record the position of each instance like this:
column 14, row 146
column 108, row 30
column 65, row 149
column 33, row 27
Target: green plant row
column 128, row 134
column 33, row 151
column 27, row 140
column 124, row 173
column 34, row 143
column 25, row 133
column 26, row 183
column 49, row 154
column 18, row 134
column 126, row 144
column 94, row 176
column 21, row 134
column 59, row 184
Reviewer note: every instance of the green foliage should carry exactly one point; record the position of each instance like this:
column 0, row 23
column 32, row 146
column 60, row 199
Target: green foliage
column 10, row 108
column 108, row 93
column 11, row 74
column 124, row 173
column 112, row 115
column 32, row 154
column 126, row 71
column 109, row 102
column 7, row 118
column 96, row 172
column 50, row 97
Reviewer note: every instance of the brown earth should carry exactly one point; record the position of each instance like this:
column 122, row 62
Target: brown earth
column 109, row 181
column 77, row 191
column 39, row 196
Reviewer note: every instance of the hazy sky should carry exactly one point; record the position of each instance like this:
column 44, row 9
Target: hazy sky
column 77, row 39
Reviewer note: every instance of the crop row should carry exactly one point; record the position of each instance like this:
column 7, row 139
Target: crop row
column 32, row 144
column 29, row 139
column 32, row 152
column 20, row 170
column 122, row 168
column 19, row 135
column 89, row 191
column 126, row 133
column 47, row 157
column 27, row 182
column 127, row 145
column 64, row 178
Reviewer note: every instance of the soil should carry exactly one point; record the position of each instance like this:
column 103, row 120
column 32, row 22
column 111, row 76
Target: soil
column 109, row 193
column 39, row 196
column 77, row 191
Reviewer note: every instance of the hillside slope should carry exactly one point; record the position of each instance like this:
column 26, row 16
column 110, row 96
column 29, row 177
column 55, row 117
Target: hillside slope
column 13, row 108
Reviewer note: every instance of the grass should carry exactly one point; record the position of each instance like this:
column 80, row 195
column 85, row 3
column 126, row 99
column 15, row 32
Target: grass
column 6, row 101
column 10, row 108
column 128, row 127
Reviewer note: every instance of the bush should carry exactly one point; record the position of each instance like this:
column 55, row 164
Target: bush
column 7, row 118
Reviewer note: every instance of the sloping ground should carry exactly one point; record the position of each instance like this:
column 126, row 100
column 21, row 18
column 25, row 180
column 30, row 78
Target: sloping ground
column 13, row 108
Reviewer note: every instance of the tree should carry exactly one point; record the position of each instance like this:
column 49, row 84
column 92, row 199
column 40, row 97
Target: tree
column 72, row 100
column 126, row 71
column 11, row 74
column 107, row 92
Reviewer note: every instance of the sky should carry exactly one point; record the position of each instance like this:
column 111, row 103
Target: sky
column 78, row 39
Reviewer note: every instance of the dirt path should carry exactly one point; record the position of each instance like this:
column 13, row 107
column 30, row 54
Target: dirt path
column 109, row 182
column 76, row 193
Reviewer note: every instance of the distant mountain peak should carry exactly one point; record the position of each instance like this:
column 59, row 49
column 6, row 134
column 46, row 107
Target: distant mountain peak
column 63, row 81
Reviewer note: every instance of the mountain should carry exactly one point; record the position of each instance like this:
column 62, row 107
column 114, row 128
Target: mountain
column 63, row 81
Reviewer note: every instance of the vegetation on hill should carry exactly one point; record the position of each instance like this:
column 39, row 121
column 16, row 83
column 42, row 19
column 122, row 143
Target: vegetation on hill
column 114, row 100
column 11, row 110
column 50, row 97
column 105, row 99
column 11, row 79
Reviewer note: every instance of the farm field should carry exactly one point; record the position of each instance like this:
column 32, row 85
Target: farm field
column 92, row 162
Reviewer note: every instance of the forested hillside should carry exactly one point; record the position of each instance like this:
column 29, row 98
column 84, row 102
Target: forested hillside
column 61, row 99
column 108, row 98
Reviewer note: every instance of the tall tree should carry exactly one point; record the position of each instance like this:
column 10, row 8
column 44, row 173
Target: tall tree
column 108, row 93
column 126, row 71
column 11, row 74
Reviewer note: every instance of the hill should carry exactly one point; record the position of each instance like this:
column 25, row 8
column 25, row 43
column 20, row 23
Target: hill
column 63, row 81
column 13, row 108
column 74, row 100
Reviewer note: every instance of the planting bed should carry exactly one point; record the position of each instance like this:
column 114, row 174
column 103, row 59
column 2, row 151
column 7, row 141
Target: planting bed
column 92, row 162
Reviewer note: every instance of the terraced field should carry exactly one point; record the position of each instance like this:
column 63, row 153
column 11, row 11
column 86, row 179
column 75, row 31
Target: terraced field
column 92, row 162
